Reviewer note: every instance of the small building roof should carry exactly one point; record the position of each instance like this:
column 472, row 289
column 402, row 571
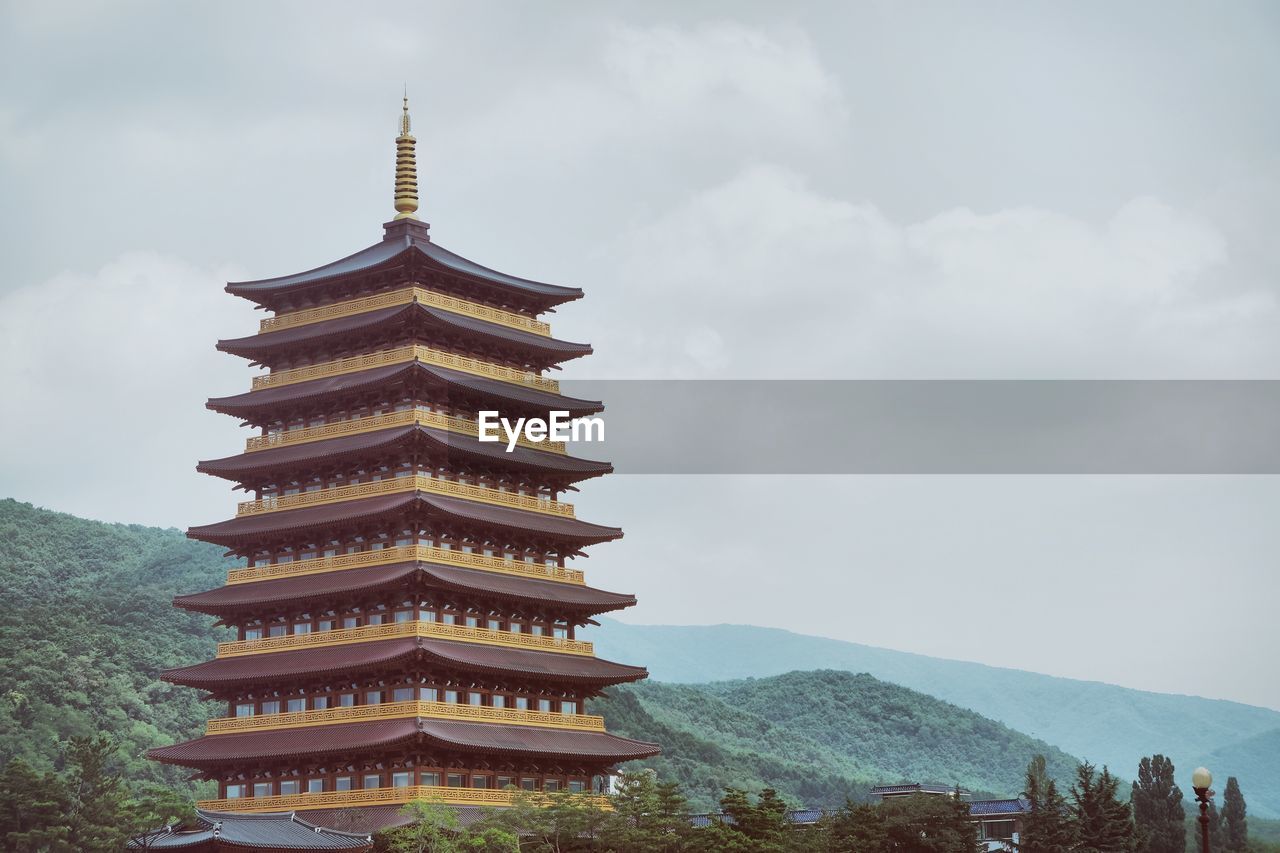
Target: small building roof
column 915, row 788
column 994, row 808
column 234, row 831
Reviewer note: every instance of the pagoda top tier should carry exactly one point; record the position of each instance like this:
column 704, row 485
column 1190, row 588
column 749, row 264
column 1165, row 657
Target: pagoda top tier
column 405, row 246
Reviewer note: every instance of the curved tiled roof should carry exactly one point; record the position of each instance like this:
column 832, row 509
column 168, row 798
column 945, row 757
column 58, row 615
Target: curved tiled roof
column 306, row 587
column 521, row 457
column 222, row 672
column 244, row 528
column 263, row 399
column 262, row 345
column 232, row 830
column 404, row 242
column 212, row 750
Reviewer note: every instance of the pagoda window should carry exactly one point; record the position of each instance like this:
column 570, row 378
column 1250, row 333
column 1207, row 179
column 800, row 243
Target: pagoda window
column 292, row 786
column 271, row 706
column 428, row 694
column 480, row 781
column 373, row 697
column 451, row 696
column 235, row 792
column 262, row 789
column 454, row 780
column 402, row 694
column 576, row 786
column 302, row 627
column 516, row 627
column 560, row 632
column 315, row 786
column 475, row 699
column 473, row 621
column 326, row 624
column 529, row 784
column 342, row 783
column 401, row 780
column 567, row 707
column 544, row 705
column 293, row 706
column 320, row 703
column 350, row 622
column 536, row 630
column 251, row 634
column 495, row 624
column 372, row 780
column 449, row 619
column 277, row 630
column 346, row 700
column 428, row 616
column 244, row 709
column 551, row 785
column 404, row 615
column 376, row 618
column 522, row 703
column 283, row 559
column 427, row 777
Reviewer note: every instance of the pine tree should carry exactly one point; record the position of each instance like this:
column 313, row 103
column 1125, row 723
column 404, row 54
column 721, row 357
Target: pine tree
column 1158, row 814
column 1235, row 826
column 1047, row 828
column 857, row 826
column 1103, row 823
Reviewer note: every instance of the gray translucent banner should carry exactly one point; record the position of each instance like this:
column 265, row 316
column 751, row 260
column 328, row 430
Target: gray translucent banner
column 935, row 427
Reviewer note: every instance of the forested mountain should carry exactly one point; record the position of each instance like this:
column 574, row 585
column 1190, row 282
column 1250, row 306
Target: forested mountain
column 1101, row 722
column 86, row 625
column 820, row 736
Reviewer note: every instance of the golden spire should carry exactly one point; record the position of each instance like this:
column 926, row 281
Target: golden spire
column 406, row 168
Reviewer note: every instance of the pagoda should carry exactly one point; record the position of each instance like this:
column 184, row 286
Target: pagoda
column 406, row 621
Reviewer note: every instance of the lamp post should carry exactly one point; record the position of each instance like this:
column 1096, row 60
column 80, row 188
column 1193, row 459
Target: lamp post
column 1201, row 779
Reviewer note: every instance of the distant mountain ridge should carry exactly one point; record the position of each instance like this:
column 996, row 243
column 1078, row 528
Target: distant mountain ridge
column 1104, row 723
column 819, row 737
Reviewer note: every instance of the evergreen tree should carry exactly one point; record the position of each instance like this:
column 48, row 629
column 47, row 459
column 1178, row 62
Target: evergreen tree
column 1047, row 828
column 1235, row 826
column 763, row 821
column 97, row 813
column 1158, row 815
column 648, row 815
column 856, row 826
column 928, row 823
column 1103, row 823
column 33, row 808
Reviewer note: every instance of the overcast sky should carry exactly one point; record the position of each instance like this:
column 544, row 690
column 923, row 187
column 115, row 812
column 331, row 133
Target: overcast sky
column 875, row 190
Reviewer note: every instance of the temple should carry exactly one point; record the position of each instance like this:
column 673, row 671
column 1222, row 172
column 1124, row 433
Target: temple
column 406, row 622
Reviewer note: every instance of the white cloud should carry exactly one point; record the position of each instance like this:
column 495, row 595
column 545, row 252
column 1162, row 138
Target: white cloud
column 787, row 281
column 105, row 378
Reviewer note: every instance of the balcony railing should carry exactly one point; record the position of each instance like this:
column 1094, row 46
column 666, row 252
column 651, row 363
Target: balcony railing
column 415, row 483
column 400, row 710
column 376, row 797
column 409, row 352
column 376, row 422
column 392, row 630
column 403, row 297
column 405, row 554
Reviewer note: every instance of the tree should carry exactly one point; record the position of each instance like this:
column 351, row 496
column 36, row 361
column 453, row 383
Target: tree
column 1047, row 828
column 647, row 815
column 1235, row 825
column 154, row 807
column 857, row 826
column 97, row 796
column 432, row 829
column 1158, row 815
column 33, row 807
column 1103, row 823
column 763, row 821
column 928, row 823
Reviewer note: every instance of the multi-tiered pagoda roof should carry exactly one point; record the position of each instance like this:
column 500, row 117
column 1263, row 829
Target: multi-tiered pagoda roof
column 406, row 619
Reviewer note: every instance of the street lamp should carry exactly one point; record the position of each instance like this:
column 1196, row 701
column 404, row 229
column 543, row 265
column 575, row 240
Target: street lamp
column 1201, row 779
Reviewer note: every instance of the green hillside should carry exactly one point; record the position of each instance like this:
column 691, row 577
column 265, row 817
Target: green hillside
column 1102, row 722
column 86, row 623
column 820, row 736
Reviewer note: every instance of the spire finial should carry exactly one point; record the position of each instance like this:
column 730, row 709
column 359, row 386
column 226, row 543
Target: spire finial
column 406, row 167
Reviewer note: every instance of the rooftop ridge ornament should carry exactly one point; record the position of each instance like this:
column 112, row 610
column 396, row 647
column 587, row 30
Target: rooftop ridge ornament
column 406, row 169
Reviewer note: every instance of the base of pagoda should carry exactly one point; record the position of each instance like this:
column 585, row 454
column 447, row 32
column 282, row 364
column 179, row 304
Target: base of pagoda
column 379, row 797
